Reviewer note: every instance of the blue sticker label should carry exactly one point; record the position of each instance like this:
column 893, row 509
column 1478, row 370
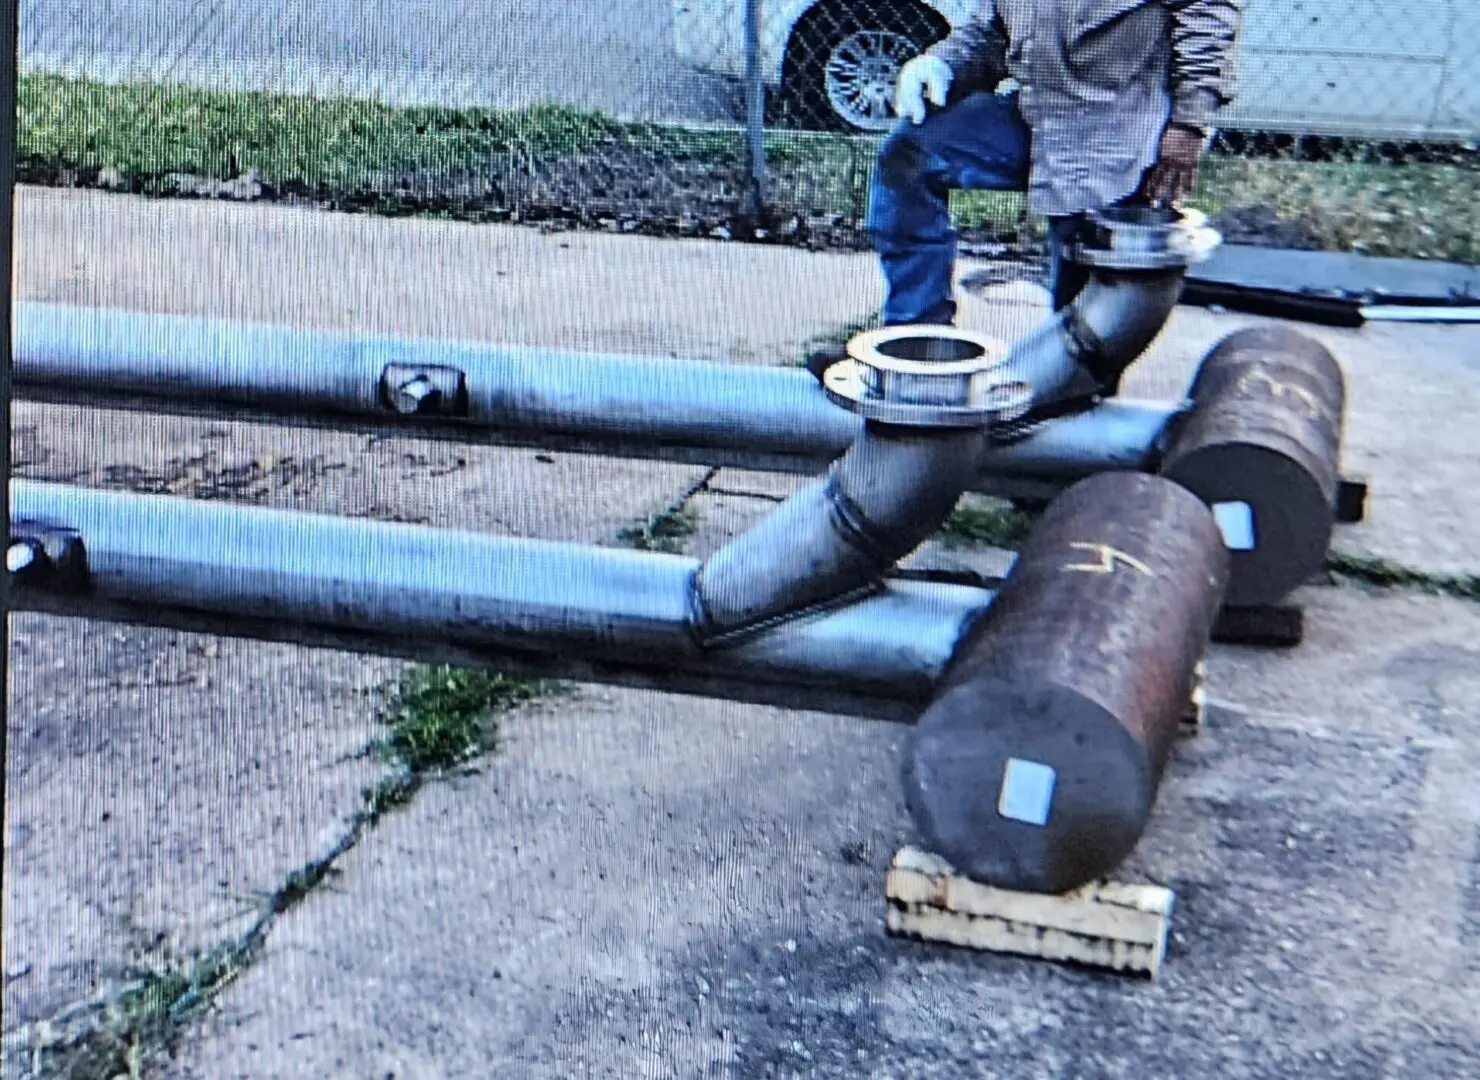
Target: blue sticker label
column 1027, row 791
column 1236, row 520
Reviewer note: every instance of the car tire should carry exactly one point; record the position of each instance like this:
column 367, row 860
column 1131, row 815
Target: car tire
column 877, row 32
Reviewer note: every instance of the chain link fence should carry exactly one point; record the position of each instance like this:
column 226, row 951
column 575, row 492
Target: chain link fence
column 1352, row 127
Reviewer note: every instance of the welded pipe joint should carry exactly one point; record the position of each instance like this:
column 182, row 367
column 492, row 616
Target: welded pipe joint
column 927, row 376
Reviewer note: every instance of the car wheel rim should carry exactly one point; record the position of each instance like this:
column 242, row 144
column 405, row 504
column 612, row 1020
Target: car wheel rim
column 861, row 74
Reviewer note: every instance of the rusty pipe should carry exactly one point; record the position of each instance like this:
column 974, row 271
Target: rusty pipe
column 1036, row 766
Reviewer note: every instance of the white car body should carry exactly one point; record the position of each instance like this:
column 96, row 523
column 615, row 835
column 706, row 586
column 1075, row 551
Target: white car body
column 710, row 34
column 1357, row 68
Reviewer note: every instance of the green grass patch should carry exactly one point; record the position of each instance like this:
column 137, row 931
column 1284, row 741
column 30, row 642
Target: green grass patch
column 490, row 164
column 667, row 531
column 442, row 717
column 1418, row 210
column 979, row 522
column 149, row 131
column 1386, row 574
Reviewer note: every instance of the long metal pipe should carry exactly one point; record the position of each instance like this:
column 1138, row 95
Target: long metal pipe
column 590, row 613
column 675, row 410
column 895, row 487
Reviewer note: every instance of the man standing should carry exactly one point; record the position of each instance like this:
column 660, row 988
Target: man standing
column 1114, row 104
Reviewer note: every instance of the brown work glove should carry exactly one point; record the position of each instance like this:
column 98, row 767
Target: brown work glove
column 1171, row 179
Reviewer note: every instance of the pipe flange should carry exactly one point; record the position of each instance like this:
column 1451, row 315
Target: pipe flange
column 1144, row 238
column 927, row 376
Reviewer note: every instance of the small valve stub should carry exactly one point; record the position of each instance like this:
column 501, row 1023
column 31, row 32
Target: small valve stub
column 927, row 376
column 424, row 390
column 1143, row 238
column 45, row 556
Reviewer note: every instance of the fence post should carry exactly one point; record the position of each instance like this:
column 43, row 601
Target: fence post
column 9, row 63
column 755, row 115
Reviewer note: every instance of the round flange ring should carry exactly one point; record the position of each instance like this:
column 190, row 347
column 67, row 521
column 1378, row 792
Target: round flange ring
column 927, row 376
column 1144, row 238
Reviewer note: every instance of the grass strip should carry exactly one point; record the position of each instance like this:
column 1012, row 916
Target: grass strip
column 1385, row 574
column 554, row 160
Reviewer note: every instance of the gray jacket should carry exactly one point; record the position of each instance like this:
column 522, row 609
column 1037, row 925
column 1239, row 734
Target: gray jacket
column 1099, row 81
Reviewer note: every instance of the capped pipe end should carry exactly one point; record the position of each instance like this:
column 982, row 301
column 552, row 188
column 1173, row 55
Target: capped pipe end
column 927, row 376
column 1027, row 785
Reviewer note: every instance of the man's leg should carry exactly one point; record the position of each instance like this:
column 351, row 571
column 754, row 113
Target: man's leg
column 1066, row 279
column 980, row 143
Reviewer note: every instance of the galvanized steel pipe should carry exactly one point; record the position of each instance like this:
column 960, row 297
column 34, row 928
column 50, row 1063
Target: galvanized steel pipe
column 897, row 484
column 1107, row 327
column 676, row 410
column 597, row 614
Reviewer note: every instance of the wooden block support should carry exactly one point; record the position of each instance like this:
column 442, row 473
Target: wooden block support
column 1279, row 626
column 1351, row 500
column 1197, row 706
column 1104, row 924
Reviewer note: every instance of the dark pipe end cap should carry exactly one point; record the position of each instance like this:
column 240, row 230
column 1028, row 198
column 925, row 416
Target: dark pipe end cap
column 1277, row 520
column 1026, row 785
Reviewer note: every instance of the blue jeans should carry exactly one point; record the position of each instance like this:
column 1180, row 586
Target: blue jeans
column 977, row 143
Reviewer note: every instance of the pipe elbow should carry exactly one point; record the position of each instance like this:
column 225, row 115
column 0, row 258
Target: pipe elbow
column 1120, row 314
column 1107, row 327
column 889, row 493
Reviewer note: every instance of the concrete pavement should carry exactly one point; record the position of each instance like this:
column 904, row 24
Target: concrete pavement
column 649, row 885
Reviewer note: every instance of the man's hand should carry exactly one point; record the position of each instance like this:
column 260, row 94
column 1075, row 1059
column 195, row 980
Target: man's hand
column 924, row 77
column 1172, row 178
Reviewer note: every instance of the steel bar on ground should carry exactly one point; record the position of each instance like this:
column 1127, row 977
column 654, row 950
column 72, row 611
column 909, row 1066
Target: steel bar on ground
column 1037, row 765
column 591, row 613
column 689, row 411
column 1263, row 449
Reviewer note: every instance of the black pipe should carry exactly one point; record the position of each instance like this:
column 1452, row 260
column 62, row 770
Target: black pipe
column 1037, row 765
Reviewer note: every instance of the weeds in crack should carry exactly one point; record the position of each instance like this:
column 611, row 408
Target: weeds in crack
column 440, row 717
column 119, row 1033
column 668, row 530
column 437, row 719
column 1385, row 574
column 983, row 523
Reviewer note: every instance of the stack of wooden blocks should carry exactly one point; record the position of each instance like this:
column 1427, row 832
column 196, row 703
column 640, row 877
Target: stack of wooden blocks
column 1107, row 924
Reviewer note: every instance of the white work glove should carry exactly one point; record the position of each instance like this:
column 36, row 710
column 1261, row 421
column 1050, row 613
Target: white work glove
column 923, row 78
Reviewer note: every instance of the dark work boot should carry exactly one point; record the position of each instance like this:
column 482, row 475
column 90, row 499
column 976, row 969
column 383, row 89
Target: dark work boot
column 819, row 360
